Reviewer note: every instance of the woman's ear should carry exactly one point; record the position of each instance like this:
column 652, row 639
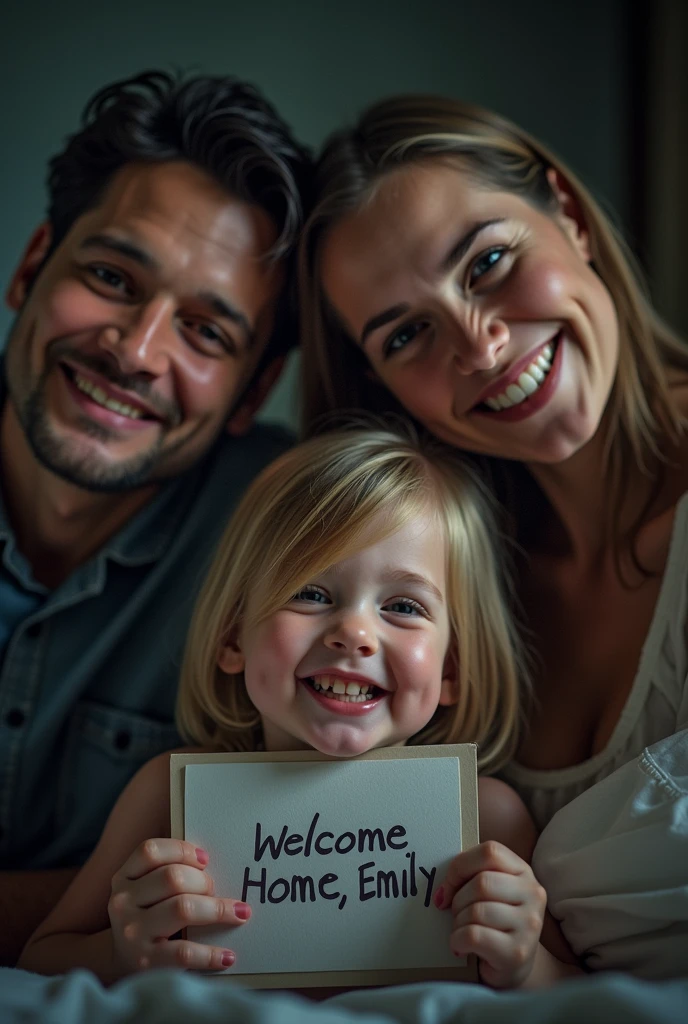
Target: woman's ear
column 230, row 657
column 449, row 689
column 570, row 215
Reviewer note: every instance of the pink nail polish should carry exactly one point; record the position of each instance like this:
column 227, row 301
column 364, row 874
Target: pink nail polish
column 228, row 958
column 438, row 898
column 242, row 911
column 202, row 856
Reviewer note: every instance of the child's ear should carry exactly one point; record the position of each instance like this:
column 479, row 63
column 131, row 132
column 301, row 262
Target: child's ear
column 230, row 657
column 449, row 690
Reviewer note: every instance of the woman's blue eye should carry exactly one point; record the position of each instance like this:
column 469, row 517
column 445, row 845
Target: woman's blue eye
column 485, row 263
column 401, row 338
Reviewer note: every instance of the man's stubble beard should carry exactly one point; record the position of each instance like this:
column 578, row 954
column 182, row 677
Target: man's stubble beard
column 57, row 454
column 87, row 470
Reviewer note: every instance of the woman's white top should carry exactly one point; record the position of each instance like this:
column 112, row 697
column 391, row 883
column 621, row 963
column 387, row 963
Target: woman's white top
column 657, row 705
column 613, row 853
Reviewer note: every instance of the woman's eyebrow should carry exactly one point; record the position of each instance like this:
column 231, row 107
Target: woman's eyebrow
column 380, row 319
column 458, row 251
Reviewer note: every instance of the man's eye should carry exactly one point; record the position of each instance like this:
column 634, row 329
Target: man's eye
column 110, row 278
column 484, row 263
column 403, row 337
column 208, row 336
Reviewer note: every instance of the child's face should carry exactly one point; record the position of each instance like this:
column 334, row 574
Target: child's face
column 377, row 621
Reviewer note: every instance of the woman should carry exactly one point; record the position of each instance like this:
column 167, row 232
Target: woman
column 453, row 268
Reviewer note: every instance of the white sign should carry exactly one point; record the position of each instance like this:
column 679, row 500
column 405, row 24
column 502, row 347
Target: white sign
column 339, row 860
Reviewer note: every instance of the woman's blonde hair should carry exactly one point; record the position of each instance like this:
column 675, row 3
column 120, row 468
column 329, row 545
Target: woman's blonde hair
column 314, row 507
column 641, row 413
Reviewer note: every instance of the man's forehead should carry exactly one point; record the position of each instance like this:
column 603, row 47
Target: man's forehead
column 178, row 204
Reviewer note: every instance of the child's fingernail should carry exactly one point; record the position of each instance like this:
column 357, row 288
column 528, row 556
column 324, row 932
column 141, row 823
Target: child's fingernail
column 242, row 911
column 201, row 856
column 228, row 958
column 438, row 898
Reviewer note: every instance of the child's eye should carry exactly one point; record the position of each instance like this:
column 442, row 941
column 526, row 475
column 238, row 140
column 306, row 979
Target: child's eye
column 311, row 594
column 405, row 606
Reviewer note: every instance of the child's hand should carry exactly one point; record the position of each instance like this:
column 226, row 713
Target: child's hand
column 498, row 907
column 162, row 888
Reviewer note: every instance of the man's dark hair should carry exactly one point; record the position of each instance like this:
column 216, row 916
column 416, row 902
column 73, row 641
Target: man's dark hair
column 217, row 123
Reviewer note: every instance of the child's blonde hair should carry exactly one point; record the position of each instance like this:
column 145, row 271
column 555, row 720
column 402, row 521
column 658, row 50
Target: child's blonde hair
column 309, row 510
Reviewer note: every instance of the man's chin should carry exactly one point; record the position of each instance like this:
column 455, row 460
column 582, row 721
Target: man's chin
column 93, row 471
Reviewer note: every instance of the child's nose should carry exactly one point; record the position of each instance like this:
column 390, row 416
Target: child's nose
column 352, row 635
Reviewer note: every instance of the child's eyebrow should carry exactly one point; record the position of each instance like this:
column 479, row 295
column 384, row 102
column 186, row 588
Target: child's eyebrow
column 415, row 579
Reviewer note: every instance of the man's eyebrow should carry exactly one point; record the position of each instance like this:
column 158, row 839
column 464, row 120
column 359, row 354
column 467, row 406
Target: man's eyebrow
column 229, row 312
column 458, row 251
column 414, row 579
column 123, row 247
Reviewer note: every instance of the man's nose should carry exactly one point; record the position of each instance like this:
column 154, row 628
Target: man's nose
column 477, row 340
column 143, row 342
column 352, row 633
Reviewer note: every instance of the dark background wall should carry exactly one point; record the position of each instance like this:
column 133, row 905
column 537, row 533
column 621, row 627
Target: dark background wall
column 561, row 69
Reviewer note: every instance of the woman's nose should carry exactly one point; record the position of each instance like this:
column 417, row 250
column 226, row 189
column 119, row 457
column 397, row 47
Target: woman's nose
column 352, row 634
column 477, row 341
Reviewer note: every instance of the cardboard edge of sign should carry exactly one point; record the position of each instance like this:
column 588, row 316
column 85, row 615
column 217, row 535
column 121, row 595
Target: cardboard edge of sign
column 466, row 756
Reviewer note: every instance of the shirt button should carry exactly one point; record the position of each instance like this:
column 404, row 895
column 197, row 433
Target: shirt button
column 34, row 630
column 15, row 718
column 122, row 740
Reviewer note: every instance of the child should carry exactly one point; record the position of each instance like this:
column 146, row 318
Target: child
column 355, row 602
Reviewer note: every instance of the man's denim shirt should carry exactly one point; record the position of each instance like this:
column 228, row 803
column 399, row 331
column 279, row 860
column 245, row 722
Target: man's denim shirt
column 89, row 677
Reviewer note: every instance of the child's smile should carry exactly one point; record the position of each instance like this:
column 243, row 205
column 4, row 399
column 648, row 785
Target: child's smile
column 358, row 658
column 344, row 694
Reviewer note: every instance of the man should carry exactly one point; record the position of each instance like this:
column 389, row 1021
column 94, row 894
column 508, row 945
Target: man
column 151, row 321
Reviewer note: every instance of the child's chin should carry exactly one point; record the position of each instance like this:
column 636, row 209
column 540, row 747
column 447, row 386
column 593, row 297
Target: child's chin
column 350, row 743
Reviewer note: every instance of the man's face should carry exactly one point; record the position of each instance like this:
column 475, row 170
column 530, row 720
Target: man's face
column 137, row 337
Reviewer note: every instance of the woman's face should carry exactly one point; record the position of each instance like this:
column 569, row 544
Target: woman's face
column 478, row 312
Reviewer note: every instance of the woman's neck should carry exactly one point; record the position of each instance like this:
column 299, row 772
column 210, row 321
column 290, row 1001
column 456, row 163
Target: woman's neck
column 579, row 493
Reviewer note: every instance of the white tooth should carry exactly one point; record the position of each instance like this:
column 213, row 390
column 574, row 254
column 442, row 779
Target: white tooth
column 544, row 363
column 339, row 686
column 516, row 394
column 493, row 403
column 353, row 688
column 527, row 384
column 99, row 395
column 325, row 682
column 535, row 372
column 504, row 402
column 548, row 351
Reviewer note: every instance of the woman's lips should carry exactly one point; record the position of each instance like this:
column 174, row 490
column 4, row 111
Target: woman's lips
column 533, row 403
